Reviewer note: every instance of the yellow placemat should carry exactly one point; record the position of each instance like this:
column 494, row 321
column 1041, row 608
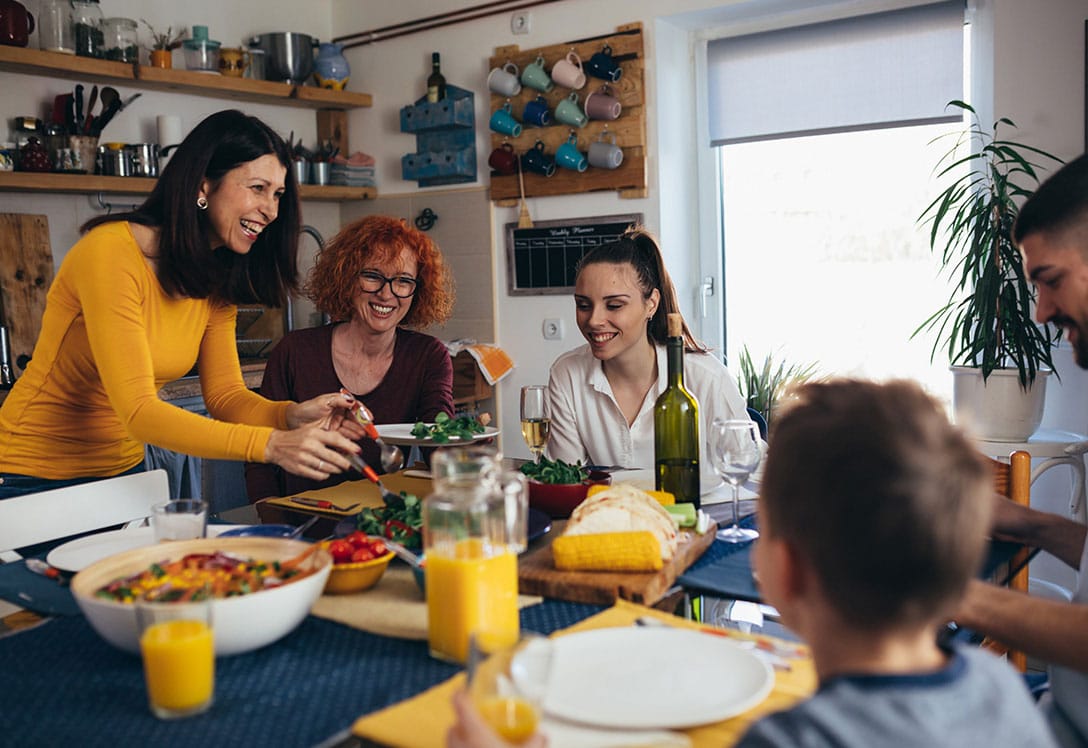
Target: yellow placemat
column 422, row 721
column 394, row 607
column 352, row 496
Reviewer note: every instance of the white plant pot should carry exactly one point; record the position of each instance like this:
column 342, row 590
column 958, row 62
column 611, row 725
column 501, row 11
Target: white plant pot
column 997, row 409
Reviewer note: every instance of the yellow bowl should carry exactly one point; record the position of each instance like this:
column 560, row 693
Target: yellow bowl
column 356, row 577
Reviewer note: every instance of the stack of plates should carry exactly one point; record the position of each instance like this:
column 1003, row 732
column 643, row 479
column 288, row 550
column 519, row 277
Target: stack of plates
column 351, row 176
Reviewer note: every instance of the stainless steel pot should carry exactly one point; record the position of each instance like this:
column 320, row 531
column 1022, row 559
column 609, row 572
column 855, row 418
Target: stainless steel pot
column 115, row 163
column 289, row 56
column 145, row 159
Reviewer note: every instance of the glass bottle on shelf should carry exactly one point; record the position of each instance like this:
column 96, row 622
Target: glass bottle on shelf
column 436, row 82
column 87, row 28
column 55, row 27
column 119, row 40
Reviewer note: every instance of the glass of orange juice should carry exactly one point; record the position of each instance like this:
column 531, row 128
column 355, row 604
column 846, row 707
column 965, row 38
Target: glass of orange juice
column 508, row 683
column 178, row 650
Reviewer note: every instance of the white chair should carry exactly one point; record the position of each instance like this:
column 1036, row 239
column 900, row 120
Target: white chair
column 48, row 515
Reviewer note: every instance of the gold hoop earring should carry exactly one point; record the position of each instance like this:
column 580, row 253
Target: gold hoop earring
column 202, row 202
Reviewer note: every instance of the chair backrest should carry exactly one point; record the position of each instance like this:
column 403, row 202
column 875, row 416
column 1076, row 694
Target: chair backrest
column 48, row 515
column 1012, row 479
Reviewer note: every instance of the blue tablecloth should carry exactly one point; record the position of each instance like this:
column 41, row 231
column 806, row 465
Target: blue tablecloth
column 724, row 569
column 63, row 685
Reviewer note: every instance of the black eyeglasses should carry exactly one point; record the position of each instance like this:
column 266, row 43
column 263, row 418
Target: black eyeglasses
column 402, row 286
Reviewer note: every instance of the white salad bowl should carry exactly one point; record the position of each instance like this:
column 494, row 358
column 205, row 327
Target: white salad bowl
column 240, row 624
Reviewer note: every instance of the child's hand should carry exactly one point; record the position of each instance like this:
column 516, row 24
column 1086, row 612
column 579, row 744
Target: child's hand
column 470, row 730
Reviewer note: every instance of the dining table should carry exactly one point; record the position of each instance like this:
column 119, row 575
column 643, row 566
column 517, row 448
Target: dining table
column 356, row 672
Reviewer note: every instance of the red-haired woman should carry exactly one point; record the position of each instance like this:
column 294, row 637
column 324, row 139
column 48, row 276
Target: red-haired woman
column 375, row 279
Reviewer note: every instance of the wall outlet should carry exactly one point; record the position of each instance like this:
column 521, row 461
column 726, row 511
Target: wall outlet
column 553, row 329
column 521, row 23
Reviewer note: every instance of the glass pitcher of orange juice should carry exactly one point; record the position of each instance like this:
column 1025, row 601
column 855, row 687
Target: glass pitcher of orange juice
column 473, row 530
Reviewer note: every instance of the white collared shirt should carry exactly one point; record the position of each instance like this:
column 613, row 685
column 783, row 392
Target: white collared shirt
column 588, row 425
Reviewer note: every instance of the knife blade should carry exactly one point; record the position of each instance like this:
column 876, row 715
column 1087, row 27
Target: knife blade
column 79, row 109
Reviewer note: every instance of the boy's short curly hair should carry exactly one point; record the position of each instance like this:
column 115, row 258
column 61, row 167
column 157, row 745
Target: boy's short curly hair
column 333, row 281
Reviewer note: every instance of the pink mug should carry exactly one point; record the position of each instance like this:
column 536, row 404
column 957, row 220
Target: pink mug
column 568, row 71
column 601, row 104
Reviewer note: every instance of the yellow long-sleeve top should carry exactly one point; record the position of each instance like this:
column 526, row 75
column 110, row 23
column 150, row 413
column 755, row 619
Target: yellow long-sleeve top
column 110, row 338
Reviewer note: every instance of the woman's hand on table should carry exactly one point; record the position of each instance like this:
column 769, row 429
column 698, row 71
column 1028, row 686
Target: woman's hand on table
column 470, row 730
column 310, row 451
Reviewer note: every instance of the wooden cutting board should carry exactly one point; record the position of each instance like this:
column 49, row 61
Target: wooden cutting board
column 537, row 574
column 26, row 272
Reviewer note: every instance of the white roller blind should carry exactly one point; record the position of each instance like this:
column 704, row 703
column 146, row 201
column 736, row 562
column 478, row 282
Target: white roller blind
column 878, row 70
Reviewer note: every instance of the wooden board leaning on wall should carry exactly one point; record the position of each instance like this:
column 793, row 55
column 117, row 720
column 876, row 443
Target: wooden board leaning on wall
column 630, row 128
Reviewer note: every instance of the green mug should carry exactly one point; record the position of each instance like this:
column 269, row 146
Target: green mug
column 535, row 76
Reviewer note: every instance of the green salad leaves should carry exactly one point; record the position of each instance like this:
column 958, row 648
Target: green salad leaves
column 445, row 428
column 555, row 471
column 402, row 522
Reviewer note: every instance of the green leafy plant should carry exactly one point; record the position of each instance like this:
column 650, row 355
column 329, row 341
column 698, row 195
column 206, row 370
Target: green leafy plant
column 763, row 386
column 165, row 40
column 555, row 471
column 446, row 428
column 988, row 321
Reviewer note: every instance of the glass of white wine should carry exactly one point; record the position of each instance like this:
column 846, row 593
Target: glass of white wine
column 735, row 450
column 535, row 425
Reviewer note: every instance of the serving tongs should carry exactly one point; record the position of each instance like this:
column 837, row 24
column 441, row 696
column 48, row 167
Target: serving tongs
column 391, row 456
column 390, row 498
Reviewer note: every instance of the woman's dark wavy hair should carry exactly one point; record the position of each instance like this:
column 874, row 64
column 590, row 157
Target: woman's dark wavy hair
column 186, row 267
column 638, row 249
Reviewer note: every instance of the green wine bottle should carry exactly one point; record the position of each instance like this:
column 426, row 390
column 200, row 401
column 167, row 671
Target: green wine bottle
column 676, row 427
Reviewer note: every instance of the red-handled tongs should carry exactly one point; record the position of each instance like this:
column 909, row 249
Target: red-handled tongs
column 392, row 457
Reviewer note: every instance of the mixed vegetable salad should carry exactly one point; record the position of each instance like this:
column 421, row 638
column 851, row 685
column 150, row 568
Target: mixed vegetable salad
column 400, row 521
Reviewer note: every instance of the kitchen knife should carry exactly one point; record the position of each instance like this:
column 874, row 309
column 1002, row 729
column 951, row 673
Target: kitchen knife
column 86, row 127
column 79, row 110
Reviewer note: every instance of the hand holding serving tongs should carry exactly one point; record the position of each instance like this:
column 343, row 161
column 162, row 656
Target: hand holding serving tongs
column 392, row 457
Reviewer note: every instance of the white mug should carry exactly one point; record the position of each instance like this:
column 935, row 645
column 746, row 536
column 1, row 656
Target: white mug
column 504, row 81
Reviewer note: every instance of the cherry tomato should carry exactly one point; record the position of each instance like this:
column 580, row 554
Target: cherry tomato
column 377, row 547
column 341, row 551
column 362, row 554
column 358, row 539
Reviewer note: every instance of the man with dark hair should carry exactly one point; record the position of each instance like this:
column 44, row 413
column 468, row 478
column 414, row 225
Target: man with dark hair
column 873, row 516
column 1052, row 233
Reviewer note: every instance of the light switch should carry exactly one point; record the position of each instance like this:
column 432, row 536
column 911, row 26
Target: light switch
column 553, row 329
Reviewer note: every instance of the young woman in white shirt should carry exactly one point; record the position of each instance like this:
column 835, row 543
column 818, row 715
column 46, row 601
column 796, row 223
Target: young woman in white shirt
column 601, row 395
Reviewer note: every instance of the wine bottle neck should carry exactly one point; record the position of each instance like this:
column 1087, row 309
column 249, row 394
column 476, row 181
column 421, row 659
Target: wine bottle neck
column 675, row 350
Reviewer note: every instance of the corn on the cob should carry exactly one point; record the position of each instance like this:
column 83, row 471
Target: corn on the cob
column 608, row 551
column 663, row 497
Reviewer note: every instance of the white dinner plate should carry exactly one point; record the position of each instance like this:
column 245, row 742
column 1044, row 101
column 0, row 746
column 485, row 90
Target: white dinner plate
column 401, row 434
column 76, row 555
column 653, row 678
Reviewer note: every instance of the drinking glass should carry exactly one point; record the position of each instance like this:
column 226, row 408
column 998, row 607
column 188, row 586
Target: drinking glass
column 180, row 519
column 735, row 451
column 507, row 684
column 178, row 650
column 535, row 426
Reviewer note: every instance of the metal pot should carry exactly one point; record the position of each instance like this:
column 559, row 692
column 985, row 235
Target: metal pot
column 289, row 56
column 115, row 162
column 145, row 159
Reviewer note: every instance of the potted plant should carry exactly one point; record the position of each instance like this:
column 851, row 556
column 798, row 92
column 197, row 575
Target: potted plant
column 763, row 387
column 986, row 328
column 163, row 44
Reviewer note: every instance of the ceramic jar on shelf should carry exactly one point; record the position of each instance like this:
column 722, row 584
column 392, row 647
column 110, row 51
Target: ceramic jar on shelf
column 331, row 68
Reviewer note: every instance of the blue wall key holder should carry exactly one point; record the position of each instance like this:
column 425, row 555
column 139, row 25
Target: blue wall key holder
column 445, row 139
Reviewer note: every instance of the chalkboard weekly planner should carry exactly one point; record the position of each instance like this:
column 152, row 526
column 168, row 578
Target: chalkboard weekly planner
column 542, row 259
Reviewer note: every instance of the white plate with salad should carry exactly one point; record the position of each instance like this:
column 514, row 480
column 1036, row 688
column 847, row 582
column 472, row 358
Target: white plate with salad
column 401, row 435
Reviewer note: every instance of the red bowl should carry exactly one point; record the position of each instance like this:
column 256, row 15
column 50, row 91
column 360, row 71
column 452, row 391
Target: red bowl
column 559, row 499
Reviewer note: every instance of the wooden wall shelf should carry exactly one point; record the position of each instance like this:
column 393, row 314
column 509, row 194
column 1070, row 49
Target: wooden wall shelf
column 53, row 64
column 27, row 181
column 630, row 128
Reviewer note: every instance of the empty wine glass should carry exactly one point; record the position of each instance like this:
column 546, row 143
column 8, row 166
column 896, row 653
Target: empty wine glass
column 735, row 451
column 534, row 424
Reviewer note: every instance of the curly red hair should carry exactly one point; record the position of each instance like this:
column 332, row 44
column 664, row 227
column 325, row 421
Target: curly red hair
column 332, row 282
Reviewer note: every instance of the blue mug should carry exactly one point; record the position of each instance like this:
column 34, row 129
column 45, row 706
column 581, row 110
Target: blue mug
column 569, row 157
column 601, row 65
column 502, row 121
column 537, row 161
column 536, row 113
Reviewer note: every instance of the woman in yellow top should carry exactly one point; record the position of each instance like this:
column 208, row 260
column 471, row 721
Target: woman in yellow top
column 141, row 298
